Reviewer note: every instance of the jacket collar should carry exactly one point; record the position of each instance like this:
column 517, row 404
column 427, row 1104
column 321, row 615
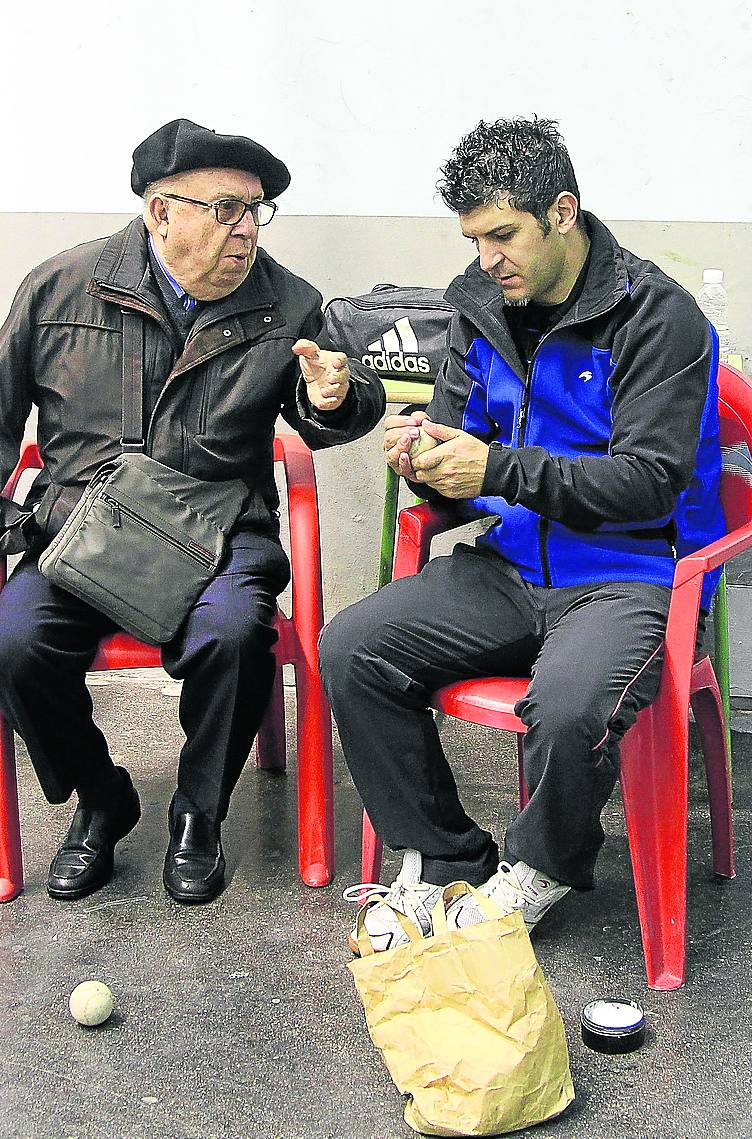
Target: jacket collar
column 123, row 271
column 606, row 283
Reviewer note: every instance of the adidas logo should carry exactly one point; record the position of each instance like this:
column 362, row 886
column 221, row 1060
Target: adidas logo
column 397, row 351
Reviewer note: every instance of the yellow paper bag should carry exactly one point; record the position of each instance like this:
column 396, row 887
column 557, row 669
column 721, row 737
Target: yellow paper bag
column 466, row 1024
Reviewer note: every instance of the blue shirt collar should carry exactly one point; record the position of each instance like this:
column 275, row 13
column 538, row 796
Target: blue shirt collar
column 179, row 291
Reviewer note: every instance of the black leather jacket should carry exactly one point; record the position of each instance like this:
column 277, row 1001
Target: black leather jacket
column 61, row 349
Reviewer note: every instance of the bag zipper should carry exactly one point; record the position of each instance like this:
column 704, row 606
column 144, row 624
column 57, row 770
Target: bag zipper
column 439, row 306
column 198, row 553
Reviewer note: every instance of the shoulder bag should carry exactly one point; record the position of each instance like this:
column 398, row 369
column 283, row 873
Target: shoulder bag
column 144, row 540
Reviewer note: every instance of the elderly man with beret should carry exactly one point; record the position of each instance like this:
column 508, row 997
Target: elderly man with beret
column 231, row 339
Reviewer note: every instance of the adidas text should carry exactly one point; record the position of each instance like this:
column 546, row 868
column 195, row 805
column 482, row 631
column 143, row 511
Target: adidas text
column 396, row 362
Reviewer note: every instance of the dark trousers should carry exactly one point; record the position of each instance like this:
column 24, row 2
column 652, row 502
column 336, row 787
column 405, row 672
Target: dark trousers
column 223, row 653
column 595, row 652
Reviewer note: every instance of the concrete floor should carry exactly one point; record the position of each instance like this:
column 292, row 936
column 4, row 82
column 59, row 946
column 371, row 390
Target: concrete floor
column 240, row 1020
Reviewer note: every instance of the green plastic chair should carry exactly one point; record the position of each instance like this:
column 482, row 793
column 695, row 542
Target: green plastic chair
column 397, row 391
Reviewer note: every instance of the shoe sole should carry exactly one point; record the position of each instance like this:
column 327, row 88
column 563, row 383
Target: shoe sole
column 187, row 898
column 75, row 894
column 192, row 899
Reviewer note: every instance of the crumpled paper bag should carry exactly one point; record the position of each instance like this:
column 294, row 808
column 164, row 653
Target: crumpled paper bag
column 466, row 1024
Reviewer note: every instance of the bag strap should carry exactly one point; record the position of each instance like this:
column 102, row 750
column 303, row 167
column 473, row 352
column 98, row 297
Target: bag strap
column 132, row 438
column 486, row 905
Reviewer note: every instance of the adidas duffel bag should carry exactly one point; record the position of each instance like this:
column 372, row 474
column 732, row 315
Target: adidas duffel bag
column 399, row 331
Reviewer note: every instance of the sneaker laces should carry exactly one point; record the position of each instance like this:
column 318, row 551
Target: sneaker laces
column 503, row 888
column 407, row 893
column 507, row 885
column 518, row 887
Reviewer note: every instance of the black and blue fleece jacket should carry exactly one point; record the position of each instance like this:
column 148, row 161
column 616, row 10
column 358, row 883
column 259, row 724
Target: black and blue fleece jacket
column 604, row 460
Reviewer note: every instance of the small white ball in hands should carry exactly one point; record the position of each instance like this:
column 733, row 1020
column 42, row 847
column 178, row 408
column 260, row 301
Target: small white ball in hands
column 91, row 1003
column 424, row 442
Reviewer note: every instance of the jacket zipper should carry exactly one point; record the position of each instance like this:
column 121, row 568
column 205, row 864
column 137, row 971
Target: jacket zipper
column 204, row 406
column 192, row 551
column 545, row 524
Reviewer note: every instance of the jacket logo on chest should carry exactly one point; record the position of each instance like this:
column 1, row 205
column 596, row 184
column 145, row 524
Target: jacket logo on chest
column 585, row 376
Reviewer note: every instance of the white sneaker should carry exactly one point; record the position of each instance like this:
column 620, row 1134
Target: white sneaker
column 518, row 887
column 408, row 893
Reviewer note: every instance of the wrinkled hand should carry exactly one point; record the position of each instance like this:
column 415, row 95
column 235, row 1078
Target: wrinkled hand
column 455, row 468
column 326, row 374
column 400, row 432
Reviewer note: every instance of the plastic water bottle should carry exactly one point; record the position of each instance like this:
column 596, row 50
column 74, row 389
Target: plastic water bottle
column 713, row 301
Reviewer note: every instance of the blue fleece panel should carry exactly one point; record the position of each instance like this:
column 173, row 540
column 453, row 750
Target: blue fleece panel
column 495, row 396
column 569, row 412
column 570, row 399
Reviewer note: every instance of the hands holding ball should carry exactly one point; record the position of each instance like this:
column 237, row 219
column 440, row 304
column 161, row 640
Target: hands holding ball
column 424, row 442
column 450, row 461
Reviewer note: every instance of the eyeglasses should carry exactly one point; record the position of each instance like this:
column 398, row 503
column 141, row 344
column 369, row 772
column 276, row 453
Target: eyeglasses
column 230, row 211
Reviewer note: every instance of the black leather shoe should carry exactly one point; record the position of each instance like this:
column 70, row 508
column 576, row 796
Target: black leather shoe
column 83, row 863
column 194, row 869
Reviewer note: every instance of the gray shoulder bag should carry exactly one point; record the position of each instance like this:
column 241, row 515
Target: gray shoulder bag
column 144, row 540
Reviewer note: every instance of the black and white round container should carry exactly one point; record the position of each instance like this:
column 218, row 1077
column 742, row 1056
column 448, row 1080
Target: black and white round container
column 613, row 1025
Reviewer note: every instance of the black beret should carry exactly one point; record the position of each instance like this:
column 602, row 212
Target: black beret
column 182, row 145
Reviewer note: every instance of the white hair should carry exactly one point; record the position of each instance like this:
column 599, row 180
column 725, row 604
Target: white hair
column 171, row 183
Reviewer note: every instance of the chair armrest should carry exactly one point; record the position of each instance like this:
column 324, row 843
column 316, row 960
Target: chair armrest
column 681, row 626
column 305, row 545
column 29, row 459
column 714, row 554
column 418, row 526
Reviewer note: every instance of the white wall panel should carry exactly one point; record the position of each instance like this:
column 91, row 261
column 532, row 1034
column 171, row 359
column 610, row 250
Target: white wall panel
column 364, row 101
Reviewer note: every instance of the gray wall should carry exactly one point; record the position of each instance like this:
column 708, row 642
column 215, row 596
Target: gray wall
column 344, row 255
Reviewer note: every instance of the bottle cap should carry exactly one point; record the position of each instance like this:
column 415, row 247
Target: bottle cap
column 712, row 276
column 613, row 1025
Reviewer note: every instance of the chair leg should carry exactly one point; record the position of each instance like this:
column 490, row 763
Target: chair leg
column 522, row 795
column 315, row 779
column 722, row 666
column 654, row 769
column 707, row 705
column 11, row 863
column 388, row 527
column 271, row 745
column 371, row 851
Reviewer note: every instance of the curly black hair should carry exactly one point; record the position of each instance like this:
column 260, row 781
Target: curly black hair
column 525, row 159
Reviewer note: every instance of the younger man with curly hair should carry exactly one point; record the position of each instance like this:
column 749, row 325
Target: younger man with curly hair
column 578, row 406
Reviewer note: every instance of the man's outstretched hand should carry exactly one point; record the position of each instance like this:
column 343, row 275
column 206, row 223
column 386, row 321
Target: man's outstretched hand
column 326, row 374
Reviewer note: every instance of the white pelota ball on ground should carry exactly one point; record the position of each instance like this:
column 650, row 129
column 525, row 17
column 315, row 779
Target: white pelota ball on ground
column 424, row 442
column 91, row 1003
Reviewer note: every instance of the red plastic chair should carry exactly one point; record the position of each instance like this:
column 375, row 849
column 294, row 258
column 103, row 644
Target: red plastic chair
column 297, row 645
column 654, row 753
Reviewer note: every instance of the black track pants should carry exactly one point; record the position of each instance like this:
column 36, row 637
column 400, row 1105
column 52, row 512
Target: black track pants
column 595, row 652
